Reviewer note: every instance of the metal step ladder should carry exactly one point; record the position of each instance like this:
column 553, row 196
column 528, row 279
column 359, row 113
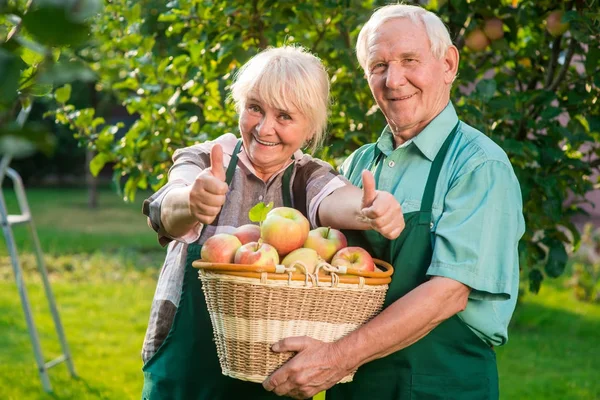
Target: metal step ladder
column 8, row 221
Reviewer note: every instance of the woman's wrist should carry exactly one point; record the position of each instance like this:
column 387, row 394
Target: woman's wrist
column 175, row 214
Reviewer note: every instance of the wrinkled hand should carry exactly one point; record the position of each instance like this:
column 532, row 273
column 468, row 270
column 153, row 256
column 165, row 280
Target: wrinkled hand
column 380, row 209
column 207, row 194
column 317, row 367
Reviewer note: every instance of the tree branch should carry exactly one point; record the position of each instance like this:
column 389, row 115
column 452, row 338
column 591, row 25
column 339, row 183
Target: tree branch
column 565, row 66
column 553, row 61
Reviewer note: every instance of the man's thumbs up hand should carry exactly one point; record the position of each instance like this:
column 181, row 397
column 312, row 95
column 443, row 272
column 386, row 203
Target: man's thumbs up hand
column 209, row 190
column 380, row 209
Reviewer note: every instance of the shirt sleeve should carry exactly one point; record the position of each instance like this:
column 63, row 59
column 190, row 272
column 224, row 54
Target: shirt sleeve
column 476, row 238
column 321, row 181
column 188, row 162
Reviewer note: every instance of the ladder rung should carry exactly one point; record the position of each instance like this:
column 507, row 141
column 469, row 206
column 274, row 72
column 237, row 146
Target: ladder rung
column 54, row 362
column 18, row 219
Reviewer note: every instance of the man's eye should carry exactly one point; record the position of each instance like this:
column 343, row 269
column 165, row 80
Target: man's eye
column 378, row 66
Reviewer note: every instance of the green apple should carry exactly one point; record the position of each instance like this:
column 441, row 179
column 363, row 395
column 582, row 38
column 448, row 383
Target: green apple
column 220, row 248
column 494, row 29
column 326, row 242
column 256, row 253
column 354, row 257
column 309, row 257
column 285, row 228
column 476, row 40
column 554, row 24
column 247, row 233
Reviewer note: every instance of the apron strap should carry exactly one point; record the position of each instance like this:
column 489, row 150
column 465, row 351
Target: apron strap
column 286, row 188
column 233, row 163
column 434, row 172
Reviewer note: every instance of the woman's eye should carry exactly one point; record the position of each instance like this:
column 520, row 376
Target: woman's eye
column 253, row 108
column 285, row 116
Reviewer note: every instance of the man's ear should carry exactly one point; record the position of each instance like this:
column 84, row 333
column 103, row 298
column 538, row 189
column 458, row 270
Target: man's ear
column 451, row 60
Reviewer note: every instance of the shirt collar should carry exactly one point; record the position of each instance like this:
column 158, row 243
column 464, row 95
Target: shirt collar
column 429, row 140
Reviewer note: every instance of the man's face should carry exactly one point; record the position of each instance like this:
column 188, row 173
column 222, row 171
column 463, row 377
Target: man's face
column 409, row 84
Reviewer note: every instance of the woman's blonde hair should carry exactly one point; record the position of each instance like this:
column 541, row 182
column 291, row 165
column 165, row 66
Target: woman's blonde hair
column 439, row 38
column 287, row 77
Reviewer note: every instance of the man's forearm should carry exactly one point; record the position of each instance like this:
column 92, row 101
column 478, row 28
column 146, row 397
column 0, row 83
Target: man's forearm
column 175, row 213
column 342, row 209
column 404, row 322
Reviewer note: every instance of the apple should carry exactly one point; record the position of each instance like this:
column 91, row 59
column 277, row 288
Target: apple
column 493, row 29
column 476, row 40
column 554, row 24
column 354, row 257
column 309, row 257
column 220, row 248
column 326, row 242
column 285, row 228
column 256, row 253
column 247, row 233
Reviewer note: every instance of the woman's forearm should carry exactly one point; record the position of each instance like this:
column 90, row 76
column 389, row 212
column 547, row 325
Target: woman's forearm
column 175, row 214
column 342, row 209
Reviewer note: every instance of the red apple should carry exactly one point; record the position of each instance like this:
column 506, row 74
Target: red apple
column 255, row 253
column 476, row 40
column 326, row 242
column 354, row 257
column 309, row 257
column 494, row 28
column 285, row 228
column 247, row 233
column 554, row 24
column 220, row 248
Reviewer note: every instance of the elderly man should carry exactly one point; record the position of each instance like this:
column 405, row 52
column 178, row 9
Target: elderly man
column 456, row 263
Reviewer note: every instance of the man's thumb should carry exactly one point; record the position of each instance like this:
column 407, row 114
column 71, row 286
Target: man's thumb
column 216, row 162
column 369, row 191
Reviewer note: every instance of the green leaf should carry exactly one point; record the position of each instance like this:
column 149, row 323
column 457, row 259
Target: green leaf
column 63, row 94
column 98, row 162
column 557, row 259
column 40, row 89
column 50, row 24
column 592, row 60
column 10, row 70
column 535, row 280
column 259, row 212
column 485, row 89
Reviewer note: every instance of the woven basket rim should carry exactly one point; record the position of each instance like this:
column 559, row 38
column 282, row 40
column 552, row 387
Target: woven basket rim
column 270, row 272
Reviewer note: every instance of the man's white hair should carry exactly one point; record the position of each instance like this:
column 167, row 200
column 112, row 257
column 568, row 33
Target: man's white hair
column 287, row 78
column 439, row 38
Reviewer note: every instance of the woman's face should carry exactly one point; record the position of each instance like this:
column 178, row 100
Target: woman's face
column 271, row 135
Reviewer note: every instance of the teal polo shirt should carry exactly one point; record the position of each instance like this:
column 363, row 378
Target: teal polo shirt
column 477, row 216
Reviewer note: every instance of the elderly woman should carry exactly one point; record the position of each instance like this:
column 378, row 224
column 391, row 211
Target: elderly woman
column 282, row 97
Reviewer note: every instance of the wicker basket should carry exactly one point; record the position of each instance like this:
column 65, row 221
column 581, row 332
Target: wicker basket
column 252, row 307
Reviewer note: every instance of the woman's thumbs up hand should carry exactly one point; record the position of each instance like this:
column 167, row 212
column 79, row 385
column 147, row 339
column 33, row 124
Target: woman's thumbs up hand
column 381, row 209
column 209, row 190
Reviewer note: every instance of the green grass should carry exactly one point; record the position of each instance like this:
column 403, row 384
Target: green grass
column 104, row 266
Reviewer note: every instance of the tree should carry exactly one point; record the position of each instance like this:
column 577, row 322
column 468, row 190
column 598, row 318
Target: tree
column 36, row 55
column 534, row 93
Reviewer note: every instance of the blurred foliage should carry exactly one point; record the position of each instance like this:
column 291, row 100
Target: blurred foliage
column 585, row 279
column 535, row 94
column 37, row 39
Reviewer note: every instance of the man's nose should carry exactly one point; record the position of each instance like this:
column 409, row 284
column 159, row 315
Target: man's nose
column 395, row 77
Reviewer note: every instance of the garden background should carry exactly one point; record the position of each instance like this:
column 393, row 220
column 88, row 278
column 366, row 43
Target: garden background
column 95, row 97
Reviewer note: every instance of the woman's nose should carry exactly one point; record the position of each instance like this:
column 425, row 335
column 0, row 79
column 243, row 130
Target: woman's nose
column 265, row 126
column 395, row 77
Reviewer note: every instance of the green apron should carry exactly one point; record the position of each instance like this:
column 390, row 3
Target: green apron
column 186, row 366
column 451, row 362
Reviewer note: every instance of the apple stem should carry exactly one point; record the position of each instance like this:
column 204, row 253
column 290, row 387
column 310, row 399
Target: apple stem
column 327, row 232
